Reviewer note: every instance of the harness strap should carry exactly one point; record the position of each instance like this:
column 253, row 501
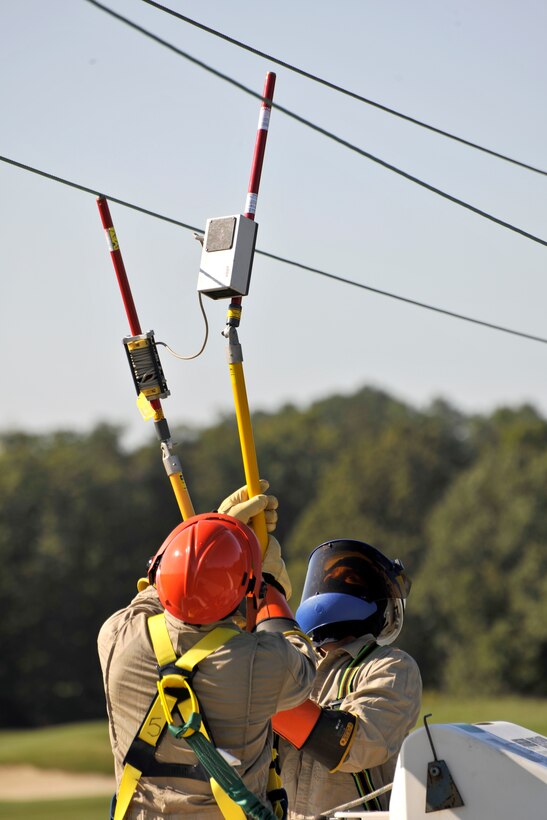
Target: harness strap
column 165, row 653
column 209, row 643
column 143, row 757
column 275, row 791
column 128, row 784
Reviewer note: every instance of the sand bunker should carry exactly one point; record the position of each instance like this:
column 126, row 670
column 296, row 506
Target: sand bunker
column 29, row 783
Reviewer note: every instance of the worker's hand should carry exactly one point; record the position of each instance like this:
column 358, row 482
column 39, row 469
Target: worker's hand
column 274, row 565
column 240, row 506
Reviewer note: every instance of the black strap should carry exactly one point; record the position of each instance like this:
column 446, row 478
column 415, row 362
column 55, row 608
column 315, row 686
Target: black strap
column 142, row 756
column 196, row 772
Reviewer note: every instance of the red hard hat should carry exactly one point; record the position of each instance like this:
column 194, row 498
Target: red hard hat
column 205, row 568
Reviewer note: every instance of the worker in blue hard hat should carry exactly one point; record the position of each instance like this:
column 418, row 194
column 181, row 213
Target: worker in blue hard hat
column 343, row 743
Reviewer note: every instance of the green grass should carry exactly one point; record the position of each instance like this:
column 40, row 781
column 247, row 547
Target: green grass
column 91, row 808
column 528, row 712
column 75, row 747
column 84, row 747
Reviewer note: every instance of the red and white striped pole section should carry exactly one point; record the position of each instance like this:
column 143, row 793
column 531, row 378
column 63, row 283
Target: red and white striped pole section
column 119, row 267
column 260, row 145
column 171, row 462
column 260, row 148
column 121, row 276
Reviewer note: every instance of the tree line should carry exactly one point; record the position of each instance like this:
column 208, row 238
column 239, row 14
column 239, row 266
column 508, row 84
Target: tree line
column 460, row 499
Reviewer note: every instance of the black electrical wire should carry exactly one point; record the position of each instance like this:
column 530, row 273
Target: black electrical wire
column 308, row 75
column 432, row 188
column 403, row 298
column 277, row 258
column 97, row 193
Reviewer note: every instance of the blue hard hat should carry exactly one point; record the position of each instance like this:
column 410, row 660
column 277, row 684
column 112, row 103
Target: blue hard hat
column 330, row 608
column 348, row 581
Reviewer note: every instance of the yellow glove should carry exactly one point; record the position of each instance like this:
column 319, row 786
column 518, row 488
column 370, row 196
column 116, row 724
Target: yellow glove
column 240, row 506
column 273, row 564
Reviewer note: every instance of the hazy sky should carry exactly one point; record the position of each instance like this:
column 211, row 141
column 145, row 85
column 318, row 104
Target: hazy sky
column 88, row 99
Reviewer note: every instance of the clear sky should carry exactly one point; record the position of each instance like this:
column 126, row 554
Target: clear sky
column 88, row 99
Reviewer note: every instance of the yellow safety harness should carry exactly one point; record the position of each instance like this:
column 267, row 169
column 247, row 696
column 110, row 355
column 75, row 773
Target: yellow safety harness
column 176, row 696
column 362, row 779
column 175, row 673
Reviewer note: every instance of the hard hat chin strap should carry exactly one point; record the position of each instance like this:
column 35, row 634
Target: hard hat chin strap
column 251, row 609
column 252, row 597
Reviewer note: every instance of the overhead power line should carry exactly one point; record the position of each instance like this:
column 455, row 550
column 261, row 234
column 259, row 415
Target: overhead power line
column 410, row 177
column 88, row 190
column 408, row 301
column 278, row 258
column 354, row 95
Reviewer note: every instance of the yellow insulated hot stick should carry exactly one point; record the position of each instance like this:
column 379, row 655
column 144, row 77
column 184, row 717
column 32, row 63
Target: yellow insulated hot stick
column 248, row 451
column 171, row 462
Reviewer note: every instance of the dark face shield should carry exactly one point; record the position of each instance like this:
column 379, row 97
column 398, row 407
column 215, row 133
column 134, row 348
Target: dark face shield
column 354, row 568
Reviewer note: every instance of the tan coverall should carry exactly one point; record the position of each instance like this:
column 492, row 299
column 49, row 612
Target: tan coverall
column 239, row 686
column 386, row 698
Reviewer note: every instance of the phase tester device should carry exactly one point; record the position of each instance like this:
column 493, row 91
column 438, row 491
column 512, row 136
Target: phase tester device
column 227, row 256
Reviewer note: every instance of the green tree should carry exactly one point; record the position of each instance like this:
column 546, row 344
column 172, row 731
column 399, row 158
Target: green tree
column 76, row 525
column 483, row 589
column 461, row 500
column 382, row 486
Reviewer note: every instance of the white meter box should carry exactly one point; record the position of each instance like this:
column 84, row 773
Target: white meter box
column 227, row 256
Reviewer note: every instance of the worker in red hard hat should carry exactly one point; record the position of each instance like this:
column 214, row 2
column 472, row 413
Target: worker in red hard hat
column 177, row 654
column 342, row 744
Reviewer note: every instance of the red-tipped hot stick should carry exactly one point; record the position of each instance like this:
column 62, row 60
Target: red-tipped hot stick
column 119, row 266
column 258, row 156
column 171, row 461
column 260, row 145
